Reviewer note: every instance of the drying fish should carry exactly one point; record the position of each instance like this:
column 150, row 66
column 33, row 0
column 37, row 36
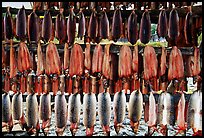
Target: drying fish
column 89, row 112
column 87, row 60
column 150, row 70
column 173, row 29
column 106, row 67
column 135, row 109
column 13, row 62
column 32, row 113
column 152, row 115
column 21, row 24
column 7, row 120
column 81, row 27
column 188, row 28
column 135, row 62
column 119, row 106
column 17, row 112
column 41, row 61
column 47, row 27
column 53, row 64
column 163, row 64
column 8, row 25
column 181, row 114
column 188, row 63
column 74, row 108
column 145, row 28
column 176, row 67
column 132, row 30
column 162, row 26
column 66, row 56
column 117, row 25
column 196, row 66
column 125, row 56
column 60, row 113
column 194, row 115
column 33, row 28
column 93, row 27
column 45, row 112
column 104, row 111
column 24, row 58
column 71, row 27
column 76, row 61
column 60, row 27
column 165, row 110
column 97, row 59
column 104, row 26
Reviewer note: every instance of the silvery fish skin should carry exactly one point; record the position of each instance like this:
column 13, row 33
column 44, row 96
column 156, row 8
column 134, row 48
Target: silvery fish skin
column 8, row 25
column 17, row 106
column 152, row 118
column 89, row 112
column 145, row 28
column 21, row 24
column 132, row 28
column 6, row 108
column 32, row 115
column 71, row 27
column 162, row 24
column 188, row 26
column 194, row 114
column 33, row 27
column 47, row 26
column 81, row 27
column 60, row 27
column 119, row 106
column 45, row 109
column 104, row 111
column 104, row 26
column 74, row 109
column 135, row 107
column 117, row 25
column 60, row 113
column 166, row 109
column 173, row 29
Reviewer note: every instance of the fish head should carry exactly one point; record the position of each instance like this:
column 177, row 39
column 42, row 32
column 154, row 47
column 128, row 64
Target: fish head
column 134, row 126
column 73, row 128
column 106, row 129
column 89, row 131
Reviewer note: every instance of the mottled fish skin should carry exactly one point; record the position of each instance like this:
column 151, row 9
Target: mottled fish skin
column 93, row 27
column 188, row 28
column 104, row 110
column 8, row 25
column 132, row 28
column 60, row 27
column 41, row 61
column 13, row 63
column 162, row 27
column 33, row 28
column 32, row 115
column 6, row 108
column 97, row 59
column 166, row 109
column 117, row 25
column 17, row 106
column 163, row 63
column 45, row 107
column 104, row 26
column 106, row 67
column 47, row 26
column 71, row 27
column 173, row 29
column 135, row 62
column 74, row 109
column 119, row 106
column 60, row 113
column 197, row 65
column 194, row 114
column 135, row 107
column 81, row 27
column 89, row 112
column 145, row 28
column 21, row 24
column 66, row 56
